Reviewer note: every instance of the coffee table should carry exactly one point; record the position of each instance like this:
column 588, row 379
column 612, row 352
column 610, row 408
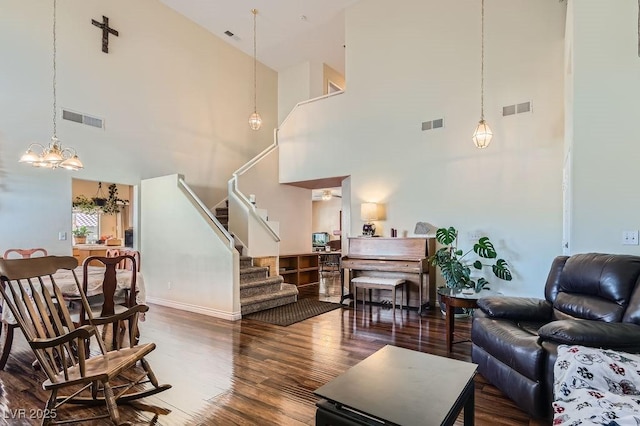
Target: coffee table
column 397, row 386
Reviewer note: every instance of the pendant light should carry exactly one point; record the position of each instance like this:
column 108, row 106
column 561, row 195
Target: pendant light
column 255, row 121
column 483, row 134
column 53, row 155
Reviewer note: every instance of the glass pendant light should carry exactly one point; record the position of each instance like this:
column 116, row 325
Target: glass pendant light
column 255, row 121
column 483, row 134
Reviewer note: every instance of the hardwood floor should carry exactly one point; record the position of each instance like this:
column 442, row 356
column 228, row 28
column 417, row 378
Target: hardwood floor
column 252, row 373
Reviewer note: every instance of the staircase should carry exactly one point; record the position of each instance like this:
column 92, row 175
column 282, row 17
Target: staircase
column 222, row 214
column 258, row 291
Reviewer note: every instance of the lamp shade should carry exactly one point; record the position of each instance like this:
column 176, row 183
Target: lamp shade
column 369, row 212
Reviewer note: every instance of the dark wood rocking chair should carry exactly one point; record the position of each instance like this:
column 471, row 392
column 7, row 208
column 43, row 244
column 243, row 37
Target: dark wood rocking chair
column 61, row 347
column 6, row 328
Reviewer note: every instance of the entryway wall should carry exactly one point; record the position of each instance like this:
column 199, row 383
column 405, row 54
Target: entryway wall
column 110, row 224
column 325, row 216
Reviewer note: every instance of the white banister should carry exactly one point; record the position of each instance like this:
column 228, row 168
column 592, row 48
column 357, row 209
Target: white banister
column 205, row 211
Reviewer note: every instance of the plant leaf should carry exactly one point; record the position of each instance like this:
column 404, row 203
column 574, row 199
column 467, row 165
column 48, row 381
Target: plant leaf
column 477, row 264
column 446, row 236
column 482, row 284
column 484, row 248
column 501, row 270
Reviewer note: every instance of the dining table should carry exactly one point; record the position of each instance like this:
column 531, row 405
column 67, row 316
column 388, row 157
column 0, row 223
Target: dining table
column 66, row 281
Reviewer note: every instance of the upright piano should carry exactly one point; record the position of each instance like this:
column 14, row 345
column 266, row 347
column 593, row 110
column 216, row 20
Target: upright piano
column 405, row 258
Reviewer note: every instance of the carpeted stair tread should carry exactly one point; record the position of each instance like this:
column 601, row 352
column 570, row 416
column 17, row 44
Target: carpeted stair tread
column 267, row 281
column 252, row 269
column 253, row 273
column 245, row 262
column 288, row 293
column 254, row 288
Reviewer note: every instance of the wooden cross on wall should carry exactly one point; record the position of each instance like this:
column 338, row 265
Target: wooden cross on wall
column 106, row 30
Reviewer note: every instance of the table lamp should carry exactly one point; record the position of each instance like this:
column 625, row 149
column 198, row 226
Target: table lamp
column 369, row 213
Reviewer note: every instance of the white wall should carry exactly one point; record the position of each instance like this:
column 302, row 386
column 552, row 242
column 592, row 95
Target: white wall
column 606, row 107
column 290, row 206
column 426, row 65
column 326, row 216
column 299, row 83
column 187, row 265
column 175, row 99
column 293, row 87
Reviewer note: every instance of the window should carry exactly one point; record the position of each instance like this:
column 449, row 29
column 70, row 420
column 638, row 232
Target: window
column 91, row 221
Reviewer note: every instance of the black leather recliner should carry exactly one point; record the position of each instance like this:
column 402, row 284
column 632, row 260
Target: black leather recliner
column 590, row 299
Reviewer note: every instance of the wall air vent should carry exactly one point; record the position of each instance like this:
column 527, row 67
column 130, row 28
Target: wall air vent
column 433, row 124
column 523, row 107
column 516, row 109
column 83, row 119
column 508, row 110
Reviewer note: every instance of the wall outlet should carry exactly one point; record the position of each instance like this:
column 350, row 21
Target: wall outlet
column 630, row 238
column 169, row 285
column 474, row 235
column 62, row 236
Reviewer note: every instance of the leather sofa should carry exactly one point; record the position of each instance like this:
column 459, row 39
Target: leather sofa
column 590, row 299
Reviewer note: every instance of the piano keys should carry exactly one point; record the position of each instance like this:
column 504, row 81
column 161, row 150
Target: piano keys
column 392, row 258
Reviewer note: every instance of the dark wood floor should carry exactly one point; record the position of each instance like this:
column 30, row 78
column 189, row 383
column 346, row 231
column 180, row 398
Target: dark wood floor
column 252, row 373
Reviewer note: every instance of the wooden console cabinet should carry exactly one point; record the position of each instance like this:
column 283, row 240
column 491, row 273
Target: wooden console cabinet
column 81, row 252
column 299, row 269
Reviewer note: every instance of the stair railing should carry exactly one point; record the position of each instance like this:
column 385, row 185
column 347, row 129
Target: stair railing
column 248, row 205
column 233, row 182
column 205, row 212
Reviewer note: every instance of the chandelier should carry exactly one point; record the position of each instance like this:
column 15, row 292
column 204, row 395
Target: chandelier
column 326, row 195
column 483, row 134
column 54, row 155
column 255, row 121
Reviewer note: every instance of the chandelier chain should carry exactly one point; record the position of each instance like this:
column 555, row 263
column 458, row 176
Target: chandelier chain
column 482, row 66
column 255, row 85
column 54, row 70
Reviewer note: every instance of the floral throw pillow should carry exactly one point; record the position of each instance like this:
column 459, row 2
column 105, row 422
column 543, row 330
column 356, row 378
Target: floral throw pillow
column 596, row 387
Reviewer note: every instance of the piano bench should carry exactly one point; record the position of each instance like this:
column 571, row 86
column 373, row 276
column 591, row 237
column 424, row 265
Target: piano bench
column 379, row 283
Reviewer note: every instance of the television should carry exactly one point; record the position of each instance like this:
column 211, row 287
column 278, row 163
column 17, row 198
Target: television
column 319, row 239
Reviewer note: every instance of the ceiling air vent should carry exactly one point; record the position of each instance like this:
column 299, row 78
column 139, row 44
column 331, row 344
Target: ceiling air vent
column 82, row 119
column 232, row 35
column 433, row 124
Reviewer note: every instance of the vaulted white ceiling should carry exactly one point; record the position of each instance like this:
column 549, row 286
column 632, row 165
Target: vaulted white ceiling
column 289, row 32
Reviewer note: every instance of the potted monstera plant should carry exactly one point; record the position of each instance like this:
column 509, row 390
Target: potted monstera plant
column 457, row 265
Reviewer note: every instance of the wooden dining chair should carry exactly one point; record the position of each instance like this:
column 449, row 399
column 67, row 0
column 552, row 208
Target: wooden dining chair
column 25, row 253
column 112, row 301
column 61, row 347
column 125, row 264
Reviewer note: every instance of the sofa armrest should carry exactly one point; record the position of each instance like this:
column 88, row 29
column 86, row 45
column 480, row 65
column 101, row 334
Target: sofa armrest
column 516, row 308
column 609, row 335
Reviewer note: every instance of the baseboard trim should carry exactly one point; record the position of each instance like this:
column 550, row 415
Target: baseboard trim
column 230, row 316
